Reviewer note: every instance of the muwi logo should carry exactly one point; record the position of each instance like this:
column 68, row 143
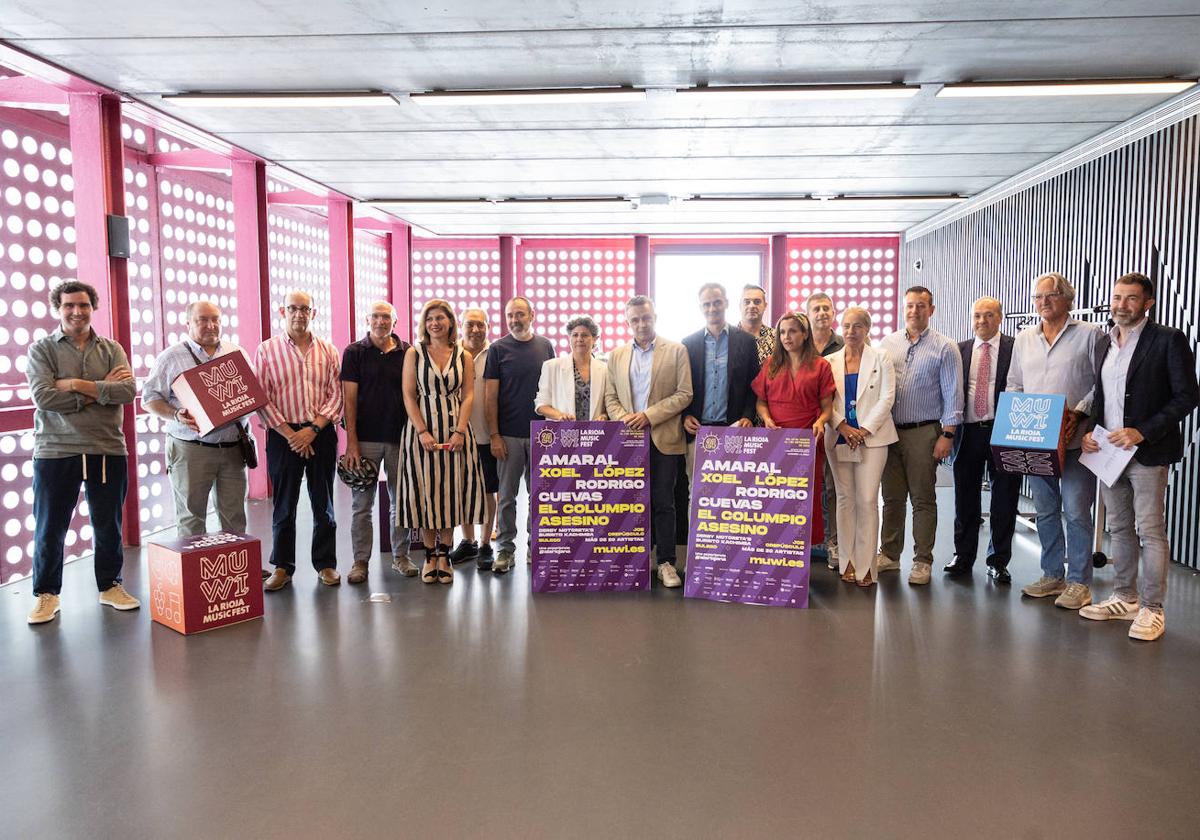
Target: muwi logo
column 1030, row 413
column 223, row 381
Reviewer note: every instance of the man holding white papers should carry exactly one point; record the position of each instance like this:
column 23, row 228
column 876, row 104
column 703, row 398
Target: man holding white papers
column 1149, row 377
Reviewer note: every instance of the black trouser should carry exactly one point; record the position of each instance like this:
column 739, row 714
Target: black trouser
column 55, row 493
column 287, row 470
column 974, row 455
column 664, row 470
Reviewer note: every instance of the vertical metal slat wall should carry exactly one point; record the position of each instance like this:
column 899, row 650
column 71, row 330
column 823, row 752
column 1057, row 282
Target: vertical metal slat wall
column 1134, row 209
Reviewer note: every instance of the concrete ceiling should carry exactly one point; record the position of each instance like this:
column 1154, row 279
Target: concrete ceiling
column 665, row 146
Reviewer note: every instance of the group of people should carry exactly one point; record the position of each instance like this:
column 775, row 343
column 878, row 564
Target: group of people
column 447, row 420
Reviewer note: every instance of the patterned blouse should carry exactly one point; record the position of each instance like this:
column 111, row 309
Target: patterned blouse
column 766, row 343
column 583, row 396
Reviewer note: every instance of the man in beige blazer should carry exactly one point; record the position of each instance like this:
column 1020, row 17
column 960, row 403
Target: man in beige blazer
column 649, row 385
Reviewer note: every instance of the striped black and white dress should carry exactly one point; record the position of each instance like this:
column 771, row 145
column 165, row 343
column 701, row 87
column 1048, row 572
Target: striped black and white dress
column 442, row 489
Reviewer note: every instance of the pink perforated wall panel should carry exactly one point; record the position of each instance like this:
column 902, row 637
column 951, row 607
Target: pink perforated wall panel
column 853, row 270
column 564, row 278
column 299, row 260
column 370, row 278
column 465, row 272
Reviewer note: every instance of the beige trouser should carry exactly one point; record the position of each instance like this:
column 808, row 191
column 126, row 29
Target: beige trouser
column 196, row 472
column 911, row 473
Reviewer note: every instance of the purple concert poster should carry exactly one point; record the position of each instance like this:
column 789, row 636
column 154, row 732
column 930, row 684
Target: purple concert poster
column 590, row 505
column 751, row 502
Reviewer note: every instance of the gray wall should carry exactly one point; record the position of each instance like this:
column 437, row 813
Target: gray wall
column 1135, row 209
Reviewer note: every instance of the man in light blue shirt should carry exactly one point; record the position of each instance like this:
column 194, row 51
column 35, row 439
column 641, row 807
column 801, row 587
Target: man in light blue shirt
column 197, row 465
column 928, row 408
column 1060, row 355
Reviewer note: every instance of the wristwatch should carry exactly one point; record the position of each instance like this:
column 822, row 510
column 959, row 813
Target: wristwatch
column 311, row 425
column 948, row 435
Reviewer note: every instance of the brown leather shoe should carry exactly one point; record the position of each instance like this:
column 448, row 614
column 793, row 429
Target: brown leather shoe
column 358, row 573
column 329, row 577
column 278, row 579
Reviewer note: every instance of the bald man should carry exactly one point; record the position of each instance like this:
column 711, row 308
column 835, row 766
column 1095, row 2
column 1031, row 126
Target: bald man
column 985, row 359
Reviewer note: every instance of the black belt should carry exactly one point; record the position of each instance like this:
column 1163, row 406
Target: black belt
column 229, row 445
column 906, row 426
column 983, row 424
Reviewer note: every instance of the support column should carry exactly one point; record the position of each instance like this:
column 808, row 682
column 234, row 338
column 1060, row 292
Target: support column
column 98, row 168
column 641, row 265
column 254, row 303
column 341, row 270
column 508, row 272
column 400, row 278
column 779, row 276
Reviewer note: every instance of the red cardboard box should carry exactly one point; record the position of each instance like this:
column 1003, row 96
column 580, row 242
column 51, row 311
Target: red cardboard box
column 207, row 581
column 220, row 391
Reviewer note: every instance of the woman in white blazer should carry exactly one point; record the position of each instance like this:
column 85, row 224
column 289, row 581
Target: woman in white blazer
column 572, row 387
column 857, row 443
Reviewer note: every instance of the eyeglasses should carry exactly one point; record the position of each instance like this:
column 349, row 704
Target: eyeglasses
column 1046, row 296
column 299, row 310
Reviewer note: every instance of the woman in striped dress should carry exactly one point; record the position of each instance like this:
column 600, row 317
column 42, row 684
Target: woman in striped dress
column 442, row 481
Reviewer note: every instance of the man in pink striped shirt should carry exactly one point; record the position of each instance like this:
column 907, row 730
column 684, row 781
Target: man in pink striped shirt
column 299, row 372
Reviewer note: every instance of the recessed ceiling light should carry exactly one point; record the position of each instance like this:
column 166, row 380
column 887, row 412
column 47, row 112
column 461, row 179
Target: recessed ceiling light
column 548, row 96
column 1099, row 87
column 259, row 99
column 802, row 92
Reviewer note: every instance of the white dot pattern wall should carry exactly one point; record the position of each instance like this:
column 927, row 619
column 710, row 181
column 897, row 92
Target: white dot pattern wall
column 566, row 278
column 298, row 240
column 853, row 271
column 37, row 243
column 370, row 278
column 464, row 272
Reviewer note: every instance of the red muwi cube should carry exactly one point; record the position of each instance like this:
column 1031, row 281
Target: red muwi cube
column 206, row 581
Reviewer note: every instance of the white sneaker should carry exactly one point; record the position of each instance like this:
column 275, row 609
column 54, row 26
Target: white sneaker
column 45, row 609
column 1111, row 607
column 832, row 560
column 883, row 563
column 117, row 598
column 1148, row 625
column 668, row 575
column 919, row 574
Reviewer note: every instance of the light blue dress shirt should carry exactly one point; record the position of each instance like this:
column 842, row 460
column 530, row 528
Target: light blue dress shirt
column 716, row 377
column 640, row 363
column 928, row 378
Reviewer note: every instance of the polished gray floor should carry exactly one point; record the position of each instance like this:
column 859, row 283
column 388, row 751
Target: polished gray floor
column 478, row 710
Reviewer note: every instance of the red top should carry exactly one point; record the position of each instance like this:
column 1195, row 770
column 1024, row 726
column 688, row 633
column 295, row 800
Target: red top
column 795, row 401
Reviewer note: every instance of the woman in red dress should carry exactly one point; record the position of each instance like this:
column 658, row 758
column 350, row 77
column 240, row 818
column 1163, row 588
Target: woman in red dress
column 795, row 391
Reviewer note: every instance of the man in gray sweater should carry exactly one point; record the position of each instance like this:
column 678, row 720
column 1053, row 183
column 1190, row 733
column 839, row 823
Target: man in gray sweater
column 80, row 383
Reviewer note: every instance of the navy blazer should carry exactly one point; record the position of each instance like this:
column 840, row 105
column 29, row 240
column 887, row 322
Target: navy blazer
column 1160, row 391
column 743, row 367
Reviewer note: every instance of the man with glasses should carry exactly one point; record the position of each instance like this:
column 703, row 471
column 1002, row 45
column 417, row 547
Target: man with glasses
column 373, row 399
column 1060, row 355
column 299, row 373
column 198, row 466
column 928, row 408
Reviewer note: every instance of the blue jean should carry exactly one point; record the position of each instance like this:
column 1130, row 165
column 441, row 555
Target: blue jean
column 1071, row 496
column 55, row 492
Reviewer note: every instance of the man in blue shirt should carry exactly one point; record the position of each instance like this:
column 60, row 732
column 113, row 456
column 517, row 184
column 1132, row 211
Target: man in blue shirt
column 928, row 408
column 724, row 361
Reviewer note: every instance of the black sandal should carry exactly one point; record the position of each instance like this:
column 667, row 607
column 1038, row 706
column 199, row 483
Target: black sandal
column 429, row 568
column 444, row 575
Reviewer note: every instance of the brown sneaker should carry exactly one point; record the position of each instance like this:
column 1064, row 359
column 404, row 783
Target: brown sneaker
column 278, row 579
column 45, row 609
column 329, row 577
column 1075, row 596
column 358, row 573
column 404, row 566
column 1044, row 587
column 117, row 598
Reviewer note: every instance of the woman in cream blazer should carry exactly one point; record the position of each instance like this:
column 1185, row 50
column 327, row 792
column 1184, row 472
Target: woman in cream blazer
column 865, row 427
column 555, row 398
